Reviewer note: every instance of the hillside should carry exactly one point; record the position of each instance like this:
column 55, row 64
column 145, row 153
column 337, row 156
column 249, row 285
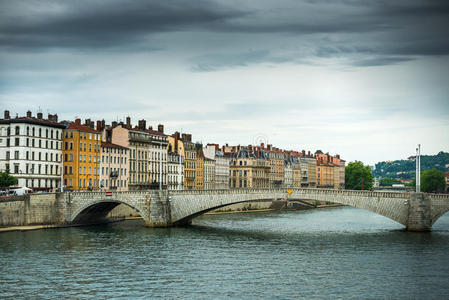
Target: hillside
column 405, row 169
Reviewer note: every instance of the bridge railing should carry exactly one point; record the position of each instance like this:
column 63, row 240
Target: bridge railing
column 308, row 191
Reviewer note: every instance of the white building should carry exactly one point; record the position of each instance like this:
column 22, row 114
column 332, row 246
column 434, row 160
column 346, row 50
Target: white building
column 288, row 174
column 175, row 171
column 31, row 149
column 222, row 163
column 158, row 157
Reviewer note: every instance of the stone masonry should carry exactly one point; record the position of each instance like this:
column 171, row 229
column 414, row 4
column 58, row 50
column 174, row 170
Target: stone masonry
column 416, row 211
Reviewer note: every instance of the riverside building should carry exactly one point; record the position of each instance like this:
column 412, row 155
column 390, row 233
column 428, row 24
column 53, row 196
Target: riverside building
column 114, row 167
column 31, row 149
column 82, row 155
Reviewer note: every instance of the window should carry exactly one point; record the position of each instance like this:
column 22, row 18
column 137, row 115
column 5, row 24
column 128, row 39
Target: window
column 28, row 130
column 16, row 169
column 16, row 155
column 34, row 133
column 7, row 155
column 70, row 171
column 17, row 141
column 17, row 130
column 40, row 132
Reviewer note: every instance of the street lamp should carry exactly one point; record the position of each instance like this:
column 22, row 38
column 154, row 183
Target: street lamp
column 418, row 169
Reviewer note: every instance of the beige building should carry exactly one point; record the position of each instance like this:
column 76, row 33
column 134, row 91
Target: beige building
column 114, row 167
column 137, row 140
column 308, row 172
column 222, row 162
column 249, row 171
column 209, row 174
column 276, row 160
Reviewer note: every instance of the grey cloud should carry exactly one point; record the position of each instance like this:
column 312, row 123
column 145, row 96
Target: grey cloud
column 214, row 62
column 380, row 61
column 93, row 24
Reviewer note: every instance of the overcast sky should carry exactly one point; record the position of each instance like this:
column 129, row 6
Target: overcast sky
column 366, row 79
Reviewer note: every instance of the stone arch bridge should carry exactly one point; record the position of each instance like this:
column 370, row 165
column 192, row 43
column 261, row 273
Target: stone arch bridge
column 416, row 211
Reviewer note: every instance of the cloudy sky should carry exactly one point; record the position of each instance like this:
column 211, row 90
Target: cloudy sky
column 366, row 79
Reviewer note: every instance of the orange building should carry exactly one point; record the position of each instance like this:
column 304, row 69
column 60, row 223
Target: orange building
column 81, row 156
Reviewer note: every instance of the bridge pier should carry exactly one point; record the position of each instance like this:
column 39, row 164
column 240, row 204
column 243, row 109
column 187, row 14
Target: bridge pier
column 419, row 213
column 160, row 214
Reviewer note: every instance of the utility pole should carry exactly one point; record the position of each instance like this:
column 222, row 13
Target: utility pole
column 418, row 169
column 180, row 158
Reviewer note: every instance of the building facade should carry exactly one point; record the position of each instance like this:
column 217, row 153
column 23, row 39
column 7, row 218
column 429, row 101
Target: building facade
column 276, row 159
column 247, row 170
column 158, row 157
column 137, row 140
column 222, row 161
column 81, row 152
column 209, row 174
column 199, row 167
column 175, row 171
column 114, row 167
column 31, row 149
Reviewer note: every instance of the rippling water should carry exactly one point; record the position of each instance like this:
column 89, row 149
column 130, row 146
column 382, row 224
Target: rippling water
column 328, row 253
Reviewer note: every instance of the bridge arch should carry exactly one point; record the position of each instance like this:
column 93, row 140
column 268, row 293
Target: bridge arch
column 95, row 211
column 187, row 205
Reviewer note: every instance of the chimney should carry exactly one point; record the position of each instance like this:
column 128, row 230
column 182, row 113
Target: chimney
column 78, row 121
column 29, row 115
column 103, row 124
column 128, row 122
column 176, row 135
column 114, row 124
column 160, row 128
column 142, row 124
column 39, row 115
column 150, row 127
column 99, row 125
column 7, row 114
column 269, row 147
column 87, row 122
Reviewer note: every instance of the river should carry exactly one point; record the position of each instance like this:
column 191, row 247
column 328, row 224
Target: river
column 330, row 253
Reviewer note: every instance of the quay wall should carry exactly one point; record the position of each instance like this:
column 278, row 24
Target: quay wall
column 32, row 209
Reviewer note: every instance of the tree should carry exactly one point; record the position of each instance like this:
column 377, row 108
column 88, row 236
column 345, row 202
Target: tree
column 388, row 181
column 7, row 180
column 432, row 181
column 356, row 174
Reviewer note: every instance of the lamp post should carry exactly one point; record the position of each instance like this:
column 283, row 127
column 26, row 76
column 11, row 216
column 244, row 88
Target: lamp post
column 418, row 169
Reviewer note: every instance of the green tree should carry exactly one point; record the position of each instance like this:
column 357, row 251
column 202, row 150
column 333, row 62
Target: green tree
column 357, row 173
column 7, row 180
column 388, row 181
column 432, row 181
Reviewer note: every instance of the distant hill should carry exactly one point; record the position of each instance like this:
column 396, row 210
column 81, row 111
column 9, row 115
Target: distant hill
column 405, row 169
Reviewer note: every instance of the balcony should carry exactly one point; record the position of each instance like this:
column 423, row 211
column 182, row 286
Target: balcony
column 113, row 174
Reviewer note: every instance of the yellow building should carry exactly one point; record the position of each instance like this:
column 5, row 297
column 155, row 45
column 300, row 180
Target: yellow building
column 81, row 157
column 199, row 167
column 184, row 146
